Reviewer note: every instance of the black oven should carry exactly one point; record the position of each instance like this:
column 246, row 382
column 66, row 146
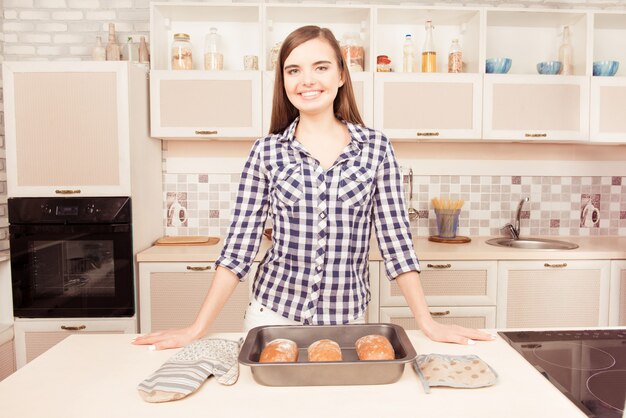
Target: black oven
column 71, row 257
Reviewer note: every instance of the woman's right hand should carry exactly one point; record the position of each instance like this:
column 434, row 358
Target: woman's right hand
column 171, row 338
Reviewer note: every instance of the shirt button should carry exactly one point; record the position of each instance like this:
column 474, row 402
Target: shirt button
column 319, row 269
column 322, row 215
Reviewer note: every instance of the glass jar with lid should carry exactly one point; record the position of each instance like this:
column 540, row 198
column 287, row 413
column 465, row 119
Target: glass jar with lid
column 213, row 58
column 182, row 56
column 353, row 52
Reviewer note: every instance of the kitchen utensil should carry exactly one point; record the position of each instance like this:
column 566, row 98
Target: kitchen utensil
column 413, row 214
column 498, row 65
column 187, row 240
column 605, row 68
column 456, row 240
column 349, row 371
column 549, row 67
column 447, row 212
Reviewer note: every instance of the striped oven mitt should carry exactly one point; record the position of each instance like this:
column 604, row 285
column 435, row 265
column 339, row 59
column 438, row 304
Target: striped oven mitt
column 185, row 372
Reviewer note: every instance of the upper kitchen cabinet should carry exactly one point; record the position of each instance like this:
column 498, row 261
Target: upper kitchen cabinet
column 415, row 105
column 67, row 127
column 608, row 94
column 526, row 105
column 200, row 102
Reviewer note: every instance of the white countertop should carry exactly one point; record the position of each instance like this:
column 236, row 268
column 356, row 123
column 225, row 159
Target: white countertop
column 590, row 248
column 97, row 376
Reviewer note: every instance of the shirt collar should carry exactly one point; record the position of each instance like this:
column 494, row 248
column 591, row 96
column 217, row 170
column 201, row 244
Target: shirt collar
column 357, row 133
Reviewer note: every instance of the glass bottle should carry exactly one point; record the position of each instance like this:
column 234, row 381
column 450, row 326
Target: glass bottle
column 131, row 51
column 99, row 52
column 182, row 56
column 565, row 54
column 408, row 57
column 353, row 52
column 455, row 58
column 429, row 55
column 144, row 55
column 213, row 58
column 112, row 49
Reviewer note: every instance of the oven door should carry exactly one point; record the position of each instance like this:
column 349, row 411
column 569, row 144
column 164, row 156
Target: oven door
column 71, row 271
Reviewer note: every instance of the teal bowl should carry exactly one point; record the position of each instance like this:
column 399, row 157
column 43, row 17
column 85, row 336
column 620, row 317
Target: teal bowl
column 605, row 68
column 498, row 65
column 549, row 67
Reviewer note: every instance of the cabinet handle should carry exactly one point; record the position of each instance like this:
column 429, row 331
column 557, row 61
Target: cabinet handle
column 535, row 135
column 428, row 134
column 67, row 191
column 206, row 132
column 192, row 268
column 439, row 266
column 78, row 328
column 444, row 313
column 555, row 266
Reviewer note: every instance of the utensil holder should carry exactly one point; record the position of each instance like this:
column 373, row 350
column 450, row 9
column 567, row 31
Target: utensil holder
column 447, row 222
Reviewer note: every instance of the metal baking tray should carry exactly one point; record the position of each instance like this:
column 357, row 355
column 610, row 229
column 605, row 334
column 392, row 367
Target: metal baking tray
column 349, row 371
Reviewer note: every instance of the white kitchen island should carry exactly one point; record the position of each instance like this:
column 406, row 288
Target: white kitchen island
column 97, row 375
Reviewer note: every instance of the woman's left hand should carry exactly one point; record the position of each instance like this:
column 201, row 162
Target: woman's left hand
column 454, row 333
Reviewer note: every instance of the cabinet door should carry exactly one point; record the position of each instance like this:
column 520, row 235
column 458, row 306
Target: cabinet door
column 608, row 101
column 428, row 106
column 7, row 359
column 571, row 293
column 34, row 337
column 67, row 128
column 467, row 316
column 536, row 107
column 449, row 283
column 362, row 85
column 171, row 295
column 617, row 310
column 205, row 104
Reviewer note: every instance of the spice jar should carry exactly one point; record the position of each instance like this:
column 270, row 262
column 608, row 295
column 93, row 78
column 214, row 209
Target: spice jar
column 383, row 64
column 274, row 55
column 213, row 58
column 182, row 52
column 353, row 52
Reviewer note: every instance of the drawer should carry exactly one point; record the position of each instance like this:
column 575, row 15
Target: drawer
column 466, row 316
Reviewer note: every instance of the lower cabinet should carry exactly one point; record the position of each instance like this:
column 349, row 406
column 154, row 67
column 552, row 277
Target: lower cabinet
column 171, row 294
column 7, row 359
column 617, row 304
column 457, row 292
column 571, row 293
column 33, row 337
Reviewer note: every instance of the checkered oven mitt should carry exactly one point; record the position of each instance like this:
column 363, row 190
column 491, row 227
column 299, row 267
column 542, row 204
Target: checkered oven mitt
column 185, row 372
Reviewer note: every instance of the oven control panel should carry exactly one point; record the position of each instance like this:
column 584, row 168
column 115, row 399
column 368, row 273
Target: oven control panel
column 27, row 210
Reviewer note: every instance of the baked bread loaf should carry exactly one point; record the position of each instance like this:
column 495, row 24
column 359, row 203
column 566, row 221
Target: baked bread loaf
column 279, row 350
column 324, row 350
column 374, row 347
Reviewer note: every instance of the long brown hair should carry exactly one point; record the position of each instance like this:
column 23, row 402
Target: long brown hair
column 283, row 112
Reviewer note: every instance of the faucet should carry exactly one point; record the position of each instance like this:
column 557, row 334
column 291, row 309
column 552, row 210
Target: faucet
column 514, row 229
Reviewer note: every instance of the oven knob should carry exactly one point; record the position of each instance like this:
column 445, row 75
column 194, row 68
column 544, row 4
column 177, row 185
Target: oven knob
column 47, row 210
column 90, row 210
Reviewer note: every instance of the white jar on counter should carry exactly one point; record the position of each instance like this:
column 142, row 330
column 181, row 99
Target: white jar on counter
column 182, row 55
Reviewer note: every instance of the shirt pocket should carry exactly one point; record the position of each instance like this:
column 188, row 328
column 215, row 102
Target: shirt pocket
column 288, row 186
column 355, row 185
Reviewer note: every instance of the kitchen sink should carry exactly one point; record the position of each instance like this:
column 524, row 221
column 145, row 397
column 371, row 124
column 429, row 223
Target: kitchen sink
column 532, row 243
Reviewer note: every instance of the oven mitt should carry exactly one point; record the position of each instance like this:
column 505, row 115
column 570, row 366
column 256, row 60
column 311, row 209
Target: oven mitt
column 185, row 372
column 455, row 371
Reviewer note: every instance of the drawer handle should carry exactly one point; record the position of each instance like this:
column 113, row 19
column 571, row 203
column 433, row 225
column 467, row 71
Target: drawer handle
column 67, row 191
column 200, row 268
column 428, row 134
column 206, row 132
column 444, row 313
column 78, row 328
column 439, row 266
column 555, row 266
column 535, row 135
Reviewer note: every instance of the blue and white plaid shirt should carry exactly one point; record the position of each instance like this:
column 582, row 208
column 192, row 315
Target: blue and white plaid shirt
column 316, row 271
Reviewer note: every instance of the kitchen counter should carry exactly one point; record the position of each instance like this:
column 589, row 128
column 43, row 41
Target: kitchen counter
column 590, row 248
column 97, row 376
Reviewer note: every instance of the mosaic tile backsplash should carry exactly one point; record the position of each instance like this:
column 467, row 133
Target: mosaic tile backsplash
column 201, row 204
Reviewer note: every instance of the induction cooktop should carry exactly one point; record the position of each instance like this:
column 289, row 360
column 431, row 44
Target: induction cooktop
column 588, row 366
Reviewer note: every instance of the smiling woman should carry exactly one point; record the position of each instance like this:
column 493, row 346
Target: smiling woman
column 325, row 180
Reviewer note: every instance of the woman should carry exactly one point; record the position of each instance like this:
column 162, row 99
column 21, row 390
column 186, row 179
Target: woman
column 324, row 179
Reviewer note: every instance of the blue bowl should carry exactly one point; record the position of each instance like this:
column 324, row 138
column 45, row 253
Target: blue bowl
column 605, row 68
column 498, row 65
column 549, row 67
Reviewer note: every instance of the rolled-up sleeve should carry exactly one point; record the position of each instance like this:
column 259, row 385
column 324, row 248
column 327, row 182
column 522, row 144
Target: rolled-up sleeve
column 391, row 219
column 248, row 218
